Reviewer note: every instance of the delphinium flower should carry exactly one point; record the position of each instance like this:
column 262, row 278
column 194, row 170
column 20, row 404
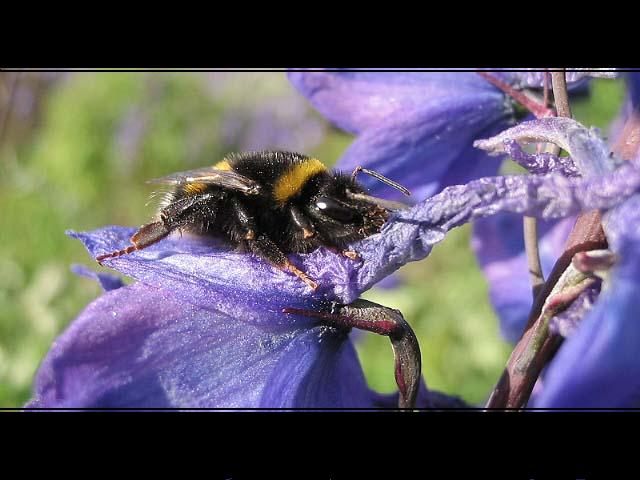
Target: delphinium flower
column 205, row 326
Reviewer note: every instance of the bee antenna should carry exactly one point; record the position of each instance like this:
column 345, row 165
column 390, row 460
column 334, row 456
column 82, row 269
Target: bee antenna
column 388, row 204
column 380, row 177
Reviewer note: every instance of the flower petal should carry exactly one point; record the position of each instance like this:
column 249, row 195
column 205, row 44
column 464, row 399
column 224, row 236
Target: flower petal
column 542, row 162
column 141, row 347
column 427, row 149
column 355, row 101
column 107, row 281
column 589, row 153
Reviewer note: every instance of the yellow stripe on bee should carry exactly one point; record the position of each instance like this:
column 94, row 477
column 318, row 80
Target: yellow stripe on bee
column 223, row 165
column 292, row 181
column 194, row 188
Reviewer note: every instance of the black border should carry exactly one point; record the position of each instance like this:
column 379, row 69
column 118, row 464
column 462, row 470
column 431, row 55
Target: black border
column 569, row 445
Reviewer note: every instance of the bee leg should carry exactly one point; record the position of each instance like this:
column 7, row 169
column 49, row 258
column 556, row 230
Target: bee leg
column 302, row 222
column 382, row 320
column 265, row 248
column 244, row 220
column 147, row 235
column 350, row 254
column 172, row 217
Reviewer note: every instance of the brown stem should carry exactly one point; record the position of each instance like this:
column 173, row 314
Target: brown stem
column 530, row 225
column 560, row 95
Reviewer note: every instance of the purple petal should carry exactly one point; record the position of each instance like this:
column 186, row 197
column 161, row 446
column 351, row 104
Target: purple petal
column 107, row 281
column 205, row 274
column 141, row 347
column 540, row 163
column 599, row 365
column 567, row 321
column 498, row 242
column 429, row 148
column 355, row 101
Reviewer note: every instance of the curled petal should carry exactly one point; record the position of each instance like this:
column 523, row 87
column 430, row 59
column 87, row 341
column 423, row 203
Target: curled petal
column 355, row 101
column 540, row 163
column 589, row 153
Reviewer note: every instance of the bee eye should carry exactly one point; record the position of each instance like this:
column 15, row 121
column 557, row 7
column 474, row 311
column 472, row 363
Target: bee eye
column 335, row 210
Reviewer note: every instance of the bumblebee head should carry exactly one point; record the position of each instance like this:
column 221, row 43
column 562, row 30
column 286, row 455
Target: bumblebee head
column 341, row 209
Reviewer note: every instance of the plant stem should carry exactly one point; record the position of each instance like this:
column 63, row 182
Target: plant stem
column 530, row 226
column 560, row 96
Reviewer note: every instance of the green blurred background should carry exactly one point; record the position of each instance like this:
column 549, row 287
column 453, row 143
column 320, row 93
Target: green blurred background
column 76, row 149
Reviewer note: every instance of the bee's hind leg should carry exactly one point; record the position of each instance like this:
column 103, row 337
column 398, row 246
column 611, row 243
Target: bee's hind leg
column 147, row 235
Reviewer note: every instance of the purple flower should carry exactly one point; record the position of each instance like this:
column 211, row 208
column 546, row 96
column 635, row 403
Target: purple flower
column 204, row 326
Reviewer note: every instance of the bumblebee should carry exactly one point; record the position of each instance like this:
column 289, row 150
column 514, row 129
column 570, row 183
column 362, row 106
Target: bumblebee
column 269, row 203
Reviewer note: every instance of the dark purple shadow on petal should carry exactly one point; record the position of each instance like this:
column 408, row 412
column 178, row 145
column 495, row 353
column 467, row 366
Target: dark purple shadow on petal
column 328, row 373
column 426, row 399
